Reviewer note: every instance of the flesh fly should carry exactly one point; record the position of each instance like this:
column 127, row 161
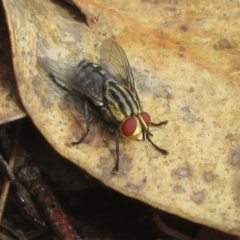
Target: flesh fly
column 110, row 86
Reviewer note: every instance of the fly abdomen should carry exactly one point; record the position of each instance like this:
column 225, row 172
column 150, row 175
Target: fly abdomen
column 120, row 101
column 90, row 80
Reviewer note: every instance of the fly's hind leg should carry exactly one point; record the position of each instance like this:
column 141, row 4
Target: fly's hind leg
column 87, row 124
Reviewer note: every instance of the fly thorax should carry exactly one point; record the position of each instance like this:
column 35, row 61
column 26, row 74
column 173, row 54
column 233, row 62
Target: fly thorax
column 107, row 115
column 119, row 101
column 88, row 72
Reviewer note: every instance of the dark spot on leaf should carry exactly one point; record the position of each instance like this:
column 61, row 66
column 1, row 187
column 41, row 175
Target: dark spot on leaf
column 178, row 189
column 234, row 158
column 199, row 197
column 133, row 187
column 63, row 106
column 172, row 9
column 188, row 116
column 183, row 172
column 236, row 201
column 191, row 90
column 229, row 137
column 222, row 44
column 36, row 85
column 144, row 180
column 184, row 28
column 45, row 44
column 186, row 109
column 125, row 163
column 182, row 49
column 45, row 102
column 36, row 82
column 209, row 177
column 164, row 91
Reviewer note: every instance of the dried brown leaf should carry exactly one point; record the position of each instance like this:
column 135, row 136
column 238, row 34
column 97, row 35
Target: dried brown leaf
column 11, row 107
column 185, row 59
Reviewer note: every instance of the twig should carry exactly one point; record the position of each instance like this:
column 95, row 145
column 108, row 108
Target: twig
column 169, row 231
column 6, row 184
column 31, row 176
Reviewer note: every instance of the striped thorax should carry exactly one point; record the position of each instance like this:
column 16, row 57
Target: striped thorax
column 122, row 109
column 120, row 101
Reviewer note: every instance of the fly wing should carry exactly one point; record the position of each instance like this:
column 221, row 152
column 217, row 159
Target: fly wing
column 114, row 61
column 83, row 78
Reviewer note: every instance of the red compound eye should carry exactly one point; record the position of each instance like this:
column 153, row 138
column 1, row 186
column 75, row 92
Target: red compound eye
column 146, row 117
column 129, row 127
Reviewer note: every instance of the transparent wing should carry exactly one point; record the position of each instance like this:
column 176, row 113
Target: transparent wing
column 83, row 78
column 114, row 61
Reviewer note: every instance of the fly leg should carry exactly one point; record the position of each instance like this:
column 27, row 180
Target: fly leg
column 148, row 134
column 163, row 151
column 159, row 124
column 87, row 124
column 116, row 168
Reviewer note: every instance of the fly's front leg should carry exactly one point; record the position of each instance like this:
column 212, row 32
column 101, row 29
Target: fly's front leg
column 163, row 151
column 116, row 168
column 149, row 134
column 154, row 124
column 87, row 124
column 159, row 124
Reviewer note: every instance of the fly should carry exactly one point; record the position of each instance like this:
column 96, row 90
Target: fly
column 110, row 86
